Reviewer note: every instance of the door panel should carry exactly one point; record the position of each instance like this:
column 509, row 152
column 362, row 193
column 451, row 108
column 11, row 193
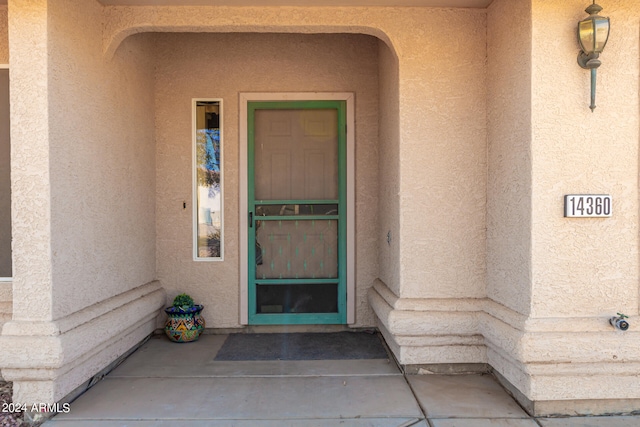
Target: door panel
column 297, row 249
column 296, row 154
column 314, row 298
column 297, row 230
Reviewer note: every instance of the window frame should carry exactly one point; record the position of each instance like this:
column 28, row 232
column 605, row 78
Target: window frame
column 245, row 98
column 194, row 180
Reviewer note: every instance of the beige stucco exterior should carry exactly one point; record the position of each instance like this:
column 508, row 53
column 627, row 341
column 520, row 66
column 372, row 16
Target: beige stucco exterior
column 77, row 221
column 508, row 145
column 609, row 165
column 471, row 125
column 561, row 278
column 221, row 66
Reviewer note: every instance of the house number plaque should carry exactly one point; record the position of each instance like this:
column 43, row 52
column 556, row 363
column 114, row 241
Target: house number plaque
column 587, row 205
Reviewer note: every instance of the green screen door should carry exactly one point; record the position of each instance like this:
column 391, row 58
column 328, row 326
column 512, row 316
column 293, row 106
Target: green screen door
column 297, row 212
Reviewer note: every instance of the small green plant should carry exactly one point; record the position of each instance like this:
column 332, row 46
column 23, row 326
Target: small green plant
column 183, row 300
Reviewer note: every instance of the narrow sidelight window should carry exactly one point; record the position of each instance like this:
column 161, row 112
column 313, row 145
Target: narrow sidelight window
column 207, row 175
column 5, row 178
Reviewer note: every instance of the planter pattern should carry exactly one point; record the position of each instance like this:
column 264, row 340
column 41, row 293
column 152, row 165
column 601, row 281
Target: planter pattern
column 184, row 325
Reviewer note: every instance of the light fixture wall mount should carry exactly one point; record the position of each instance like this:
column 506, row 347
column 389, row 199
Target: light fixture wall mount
column 593, row 34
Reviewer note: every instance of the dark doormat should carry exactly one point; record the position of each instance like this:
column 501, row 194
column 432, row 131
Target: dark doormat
column 302, row 346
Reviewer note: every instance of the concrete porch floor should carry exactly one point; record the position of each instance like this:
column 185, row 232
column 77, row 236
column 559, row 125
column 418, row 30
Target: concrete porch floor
column 168, row 384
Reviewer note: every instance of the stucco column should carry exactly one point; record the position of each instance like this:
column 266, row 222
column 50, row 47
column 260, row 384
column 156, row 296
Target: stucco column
column 71, row 317
column 31, row 327
column 584, row 270
column 31, row 201
column 432, row 146
column 554, row 282
column 432, row 201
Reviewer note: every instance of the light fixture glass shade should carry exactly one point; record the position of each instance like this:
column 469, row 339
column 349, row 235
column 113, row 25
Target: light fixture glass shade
column 593, row 34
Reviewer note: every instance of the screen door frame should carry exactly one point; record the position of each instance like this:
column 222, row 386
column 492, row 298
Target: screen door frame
column 245, row 99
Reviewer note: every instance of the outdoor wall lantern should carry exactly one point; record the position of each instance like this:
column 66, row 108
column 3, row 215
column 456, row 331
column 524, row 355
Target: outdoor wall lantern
column 593, row 33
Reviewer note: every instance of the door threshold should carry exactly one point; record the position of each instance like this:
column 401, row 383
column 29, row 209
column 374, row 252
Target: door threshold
column 283, row 329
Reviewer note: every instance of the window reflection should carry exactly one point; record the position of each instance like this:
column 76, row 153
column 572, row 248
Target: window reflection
column 208, row 180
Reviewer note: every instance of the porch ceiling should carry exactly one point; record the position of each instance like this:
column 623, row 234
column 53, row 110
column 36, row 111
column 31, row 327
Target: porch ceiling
column 418, row 3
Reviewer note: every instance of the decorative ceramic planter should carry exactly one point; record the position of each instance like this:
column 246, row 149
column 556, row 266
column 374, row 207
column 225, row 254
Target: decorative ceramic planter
column 184, row 325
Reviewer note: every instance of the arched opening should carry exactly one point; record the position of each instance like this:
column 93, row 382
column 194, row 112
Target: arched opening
column 191, row 66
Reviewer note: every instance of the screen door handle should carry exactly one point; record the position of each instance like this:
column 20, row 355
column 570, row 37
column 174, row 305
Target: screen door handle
column 250, row 219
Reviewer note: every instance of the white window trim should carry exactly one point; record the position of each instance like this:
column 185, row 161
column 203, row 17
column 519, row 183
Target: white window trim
column 245, row 98
column 194, row 180
column 5, row 279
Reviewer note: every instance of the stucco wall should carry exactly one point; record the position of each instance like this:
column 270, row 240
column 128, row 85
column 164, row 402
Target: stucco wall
column 543, row 143
column 83, row 199
column 388, row 239
column 591, row 263
column 509, row 140
column 442, row 113
column 443, row 155
column 4, row 40
column 92, row 168
column 30, row 163
column 102, row 161
column 220, row 66
column 561, row 278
